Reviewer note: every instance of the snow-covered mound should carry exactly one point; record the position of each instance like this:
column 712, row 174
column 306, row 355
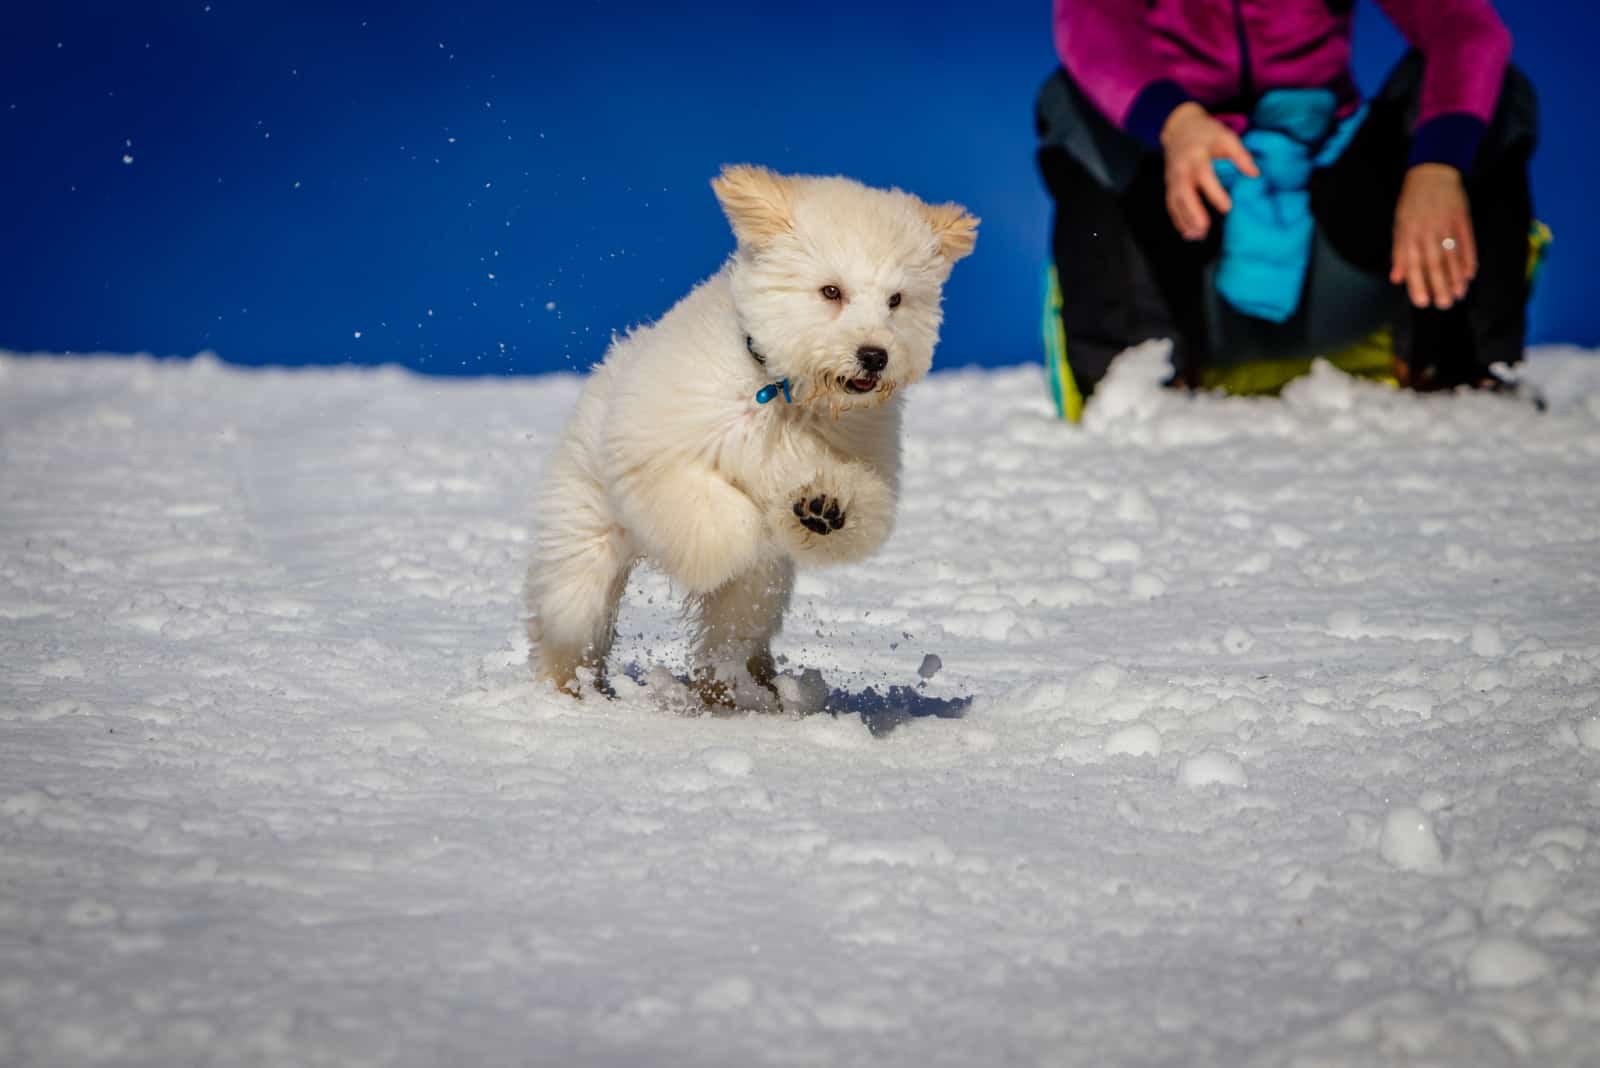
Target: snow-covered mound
column 1259, row 733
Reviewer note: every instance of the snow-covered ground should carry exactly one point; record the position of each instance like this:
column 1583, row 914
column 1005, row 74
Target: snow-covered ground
column 1266, row 734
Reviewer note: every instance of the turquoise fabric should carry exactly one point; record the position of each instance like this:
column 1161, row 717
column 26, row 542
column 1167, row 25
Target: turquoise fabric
column 1266, row 238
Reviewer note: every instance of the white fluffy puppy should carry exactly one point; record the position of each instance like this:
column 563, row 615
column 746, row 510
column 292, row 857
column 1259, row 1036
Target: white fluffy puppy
column 755, row 426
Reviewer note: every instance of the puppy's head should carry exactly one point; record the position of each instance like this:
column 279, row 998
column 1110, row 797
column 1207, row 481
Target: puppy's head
column 837, row 284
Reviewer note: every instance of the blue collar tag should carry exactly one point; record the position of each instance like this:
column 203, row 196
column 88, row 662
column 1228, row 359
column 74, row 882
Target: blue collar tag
column 771, row 390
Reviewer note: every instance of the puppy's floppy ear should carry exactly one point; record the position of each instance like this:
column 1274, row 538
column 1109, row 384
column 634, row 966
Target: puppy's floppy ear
column 956, row 230
column 758, row 203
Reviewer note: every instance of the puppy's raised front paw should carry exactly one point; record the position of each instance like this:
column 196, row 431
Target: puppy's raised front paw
column 841, row 515
column 821, row 513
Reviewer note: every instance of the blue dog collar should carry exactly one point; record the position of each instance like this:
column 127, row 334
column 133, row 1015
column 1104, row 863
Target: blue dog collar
column 769, row 391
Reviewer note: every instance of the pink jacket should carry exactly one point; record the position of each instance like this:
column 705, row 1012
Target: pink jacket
column 1139, row 59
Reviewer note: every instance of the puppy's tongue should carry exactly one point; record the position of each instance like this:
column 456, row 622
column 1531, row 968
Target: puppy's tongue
column 864, row 384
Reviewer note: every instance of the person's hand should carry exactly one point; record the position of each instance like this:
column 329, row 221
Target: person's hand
column 1190, row 140
column 1434, row 252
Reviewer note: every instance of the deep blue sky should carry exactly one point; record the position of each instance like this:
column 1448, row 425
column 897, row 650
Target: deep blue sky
column 484, row 186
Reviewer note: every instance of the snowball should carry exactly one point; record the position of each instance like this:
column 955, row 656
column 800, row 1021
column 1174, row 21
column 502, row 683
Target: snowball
column 1505, row 962
column 1288, row 537
column 1104, row 676
column 1457, row 923
column 1119, row 551
column 1566, row 836
column 1559, row 923
column 802, row 694
column 1412, row 700
column 1132, row 391
column 1134, row 507
column 1487, row 679
column 68, row 667
column 1433, row 800
column 1408, row 840
column 1589, row 732
column 978, row 740
column 90, row 913
column 734, row 763
column 1350, row 970
column 1346, row 623
column 1146, row 587
column 1523, row 888
column 1138, row 739
column 1486, row 640
column 725, row 995
column 1211, row 767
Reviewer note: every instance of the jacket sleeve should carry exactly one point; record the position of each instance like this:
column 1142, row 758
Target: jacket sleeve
column 1111, row 55
column 1465, row 48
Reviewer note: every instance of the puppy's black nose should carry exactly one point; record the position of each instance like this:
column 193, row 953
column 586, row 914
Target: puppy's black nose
column 872, row 359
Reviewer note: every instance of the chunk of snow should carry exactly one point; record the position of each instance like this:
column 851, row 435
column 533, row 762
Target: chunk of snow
column 1500, row 962
column 1409, row 841
column 1136, row 739
column 1212, row 767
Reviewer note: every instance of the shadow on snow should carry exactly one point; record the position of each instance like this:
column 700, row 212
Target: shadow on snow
column 883, row 712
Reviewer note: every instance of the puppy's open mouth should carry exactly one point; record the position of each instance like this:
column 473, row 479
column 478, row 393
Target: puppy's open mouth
column 864, row 384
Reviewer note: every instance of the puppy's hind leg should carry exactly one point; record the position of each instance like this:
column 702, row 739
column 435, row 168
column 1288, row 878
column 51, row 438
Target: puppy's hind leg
column 575, row 582
column 735, row 626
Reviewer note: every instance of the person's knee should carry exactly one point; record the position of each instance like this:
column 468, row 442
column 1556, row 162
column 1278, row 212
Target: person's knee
column 1062, row 174
column 1517, row 89
column 1518, row 107
column 1403, row 83
column 1065, row 118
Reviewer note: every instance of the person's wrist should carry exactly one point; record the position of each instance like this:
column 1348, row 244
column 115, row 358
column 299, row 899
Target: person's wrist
column 1451, row 138
column 1181, row 116
column 1435, row 170
column 1150, row 110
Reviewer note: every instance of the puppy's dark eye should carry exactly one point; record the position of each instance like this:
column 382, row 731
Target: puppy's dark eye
column 894, row 300
column 832, row 293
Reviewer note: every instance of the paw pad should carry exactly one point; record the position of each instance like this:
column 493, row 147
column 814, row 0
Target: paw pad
column 820, row 515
